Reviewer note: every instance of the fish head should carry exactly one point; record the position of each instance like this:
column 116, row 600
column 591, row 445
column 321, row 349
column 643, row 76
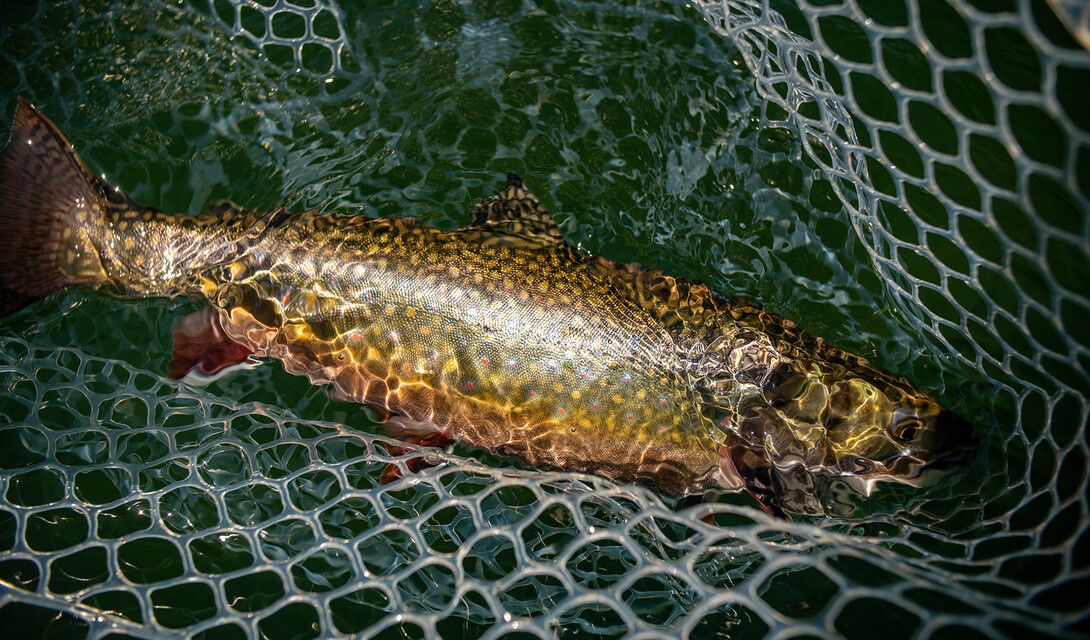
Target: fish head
column 805, row 430
column 874, row 427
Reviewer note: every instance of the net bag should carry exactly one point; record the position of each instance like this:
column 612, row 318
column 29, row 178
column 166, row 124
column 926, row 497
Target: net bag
column 950, row 139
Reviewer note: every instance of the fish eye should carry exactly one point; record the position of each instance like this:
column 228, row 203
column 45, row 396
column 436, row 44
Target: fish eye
column 906, row 424
column 906, row 429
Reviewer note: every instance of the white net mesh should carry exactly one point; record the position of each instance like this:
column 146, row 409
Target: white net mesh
column 954, row 135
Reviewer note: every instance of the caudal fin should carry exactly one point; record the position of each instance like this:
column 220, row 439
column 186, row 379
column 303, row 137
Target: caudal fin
column 44, row 190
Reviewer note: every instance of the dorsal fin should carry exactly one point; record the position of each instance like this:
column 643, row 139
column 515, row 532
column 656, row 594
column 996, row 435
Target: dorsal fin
column 517, row 212
column 224, row 207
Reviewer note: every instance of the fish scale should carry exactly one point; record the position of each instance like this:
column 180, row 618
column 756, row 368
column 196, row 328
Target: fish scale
column 499, row 335
column 431, row 321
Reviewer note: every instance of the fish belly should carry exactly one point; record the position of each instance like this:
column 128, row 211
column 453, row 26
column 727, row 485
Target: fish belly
column 520, row 367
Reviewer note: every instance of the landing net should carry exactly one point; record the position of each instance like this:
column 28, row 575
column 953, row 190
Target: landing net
column 939, row 150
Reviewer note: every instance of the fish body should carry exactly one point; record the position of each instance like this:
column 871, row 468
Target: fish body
column 499, row 335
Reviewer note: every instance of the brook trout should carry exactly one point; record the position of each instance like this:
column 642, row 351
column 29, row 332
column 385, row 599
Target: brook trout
column 500, row 335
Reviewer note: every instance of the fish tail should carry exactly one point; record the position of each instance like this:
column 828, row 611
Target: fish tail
column 45, row 193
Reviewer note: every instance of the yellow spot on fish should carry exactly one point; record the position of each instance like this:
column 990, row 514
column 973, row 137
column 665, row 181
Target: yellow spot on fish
column 575, row 395
column 410, row 312
column 128, row 244
column 424, row 331
column 452, row 365
column 389, row 309
column 641, row 394
column 617, row 398
column 557, row 387
column 121, row 226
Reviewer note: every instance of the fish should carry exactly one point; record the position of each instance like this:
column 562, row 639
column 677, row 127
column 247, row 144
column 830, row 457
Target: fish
column 500, row 335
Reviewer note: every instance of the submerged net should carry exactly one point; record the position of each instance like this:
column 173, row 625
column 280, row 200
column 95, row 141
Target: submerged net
column 919, row 171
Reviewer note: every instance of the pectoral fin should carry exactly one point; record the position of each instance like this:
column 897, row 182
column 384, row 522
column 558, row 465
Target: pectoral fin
column 757, row 476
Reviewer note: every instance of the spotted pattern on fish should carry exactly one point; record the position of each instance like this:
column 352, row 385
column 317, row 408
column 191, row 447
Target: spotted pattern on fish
column 500, row 334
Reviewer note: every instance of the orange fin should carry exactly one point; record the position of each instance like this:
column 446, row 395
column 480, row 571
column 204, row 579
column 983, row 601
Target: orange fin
column 424, row 434
column 202, row 349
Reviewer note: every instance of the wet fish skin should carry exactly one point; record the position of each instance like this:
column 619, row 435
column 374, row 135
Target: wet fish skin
column 500, row 335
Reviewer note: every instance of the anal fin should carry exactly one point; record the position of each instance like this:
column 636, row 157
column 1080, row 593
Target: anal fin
column 202, row 349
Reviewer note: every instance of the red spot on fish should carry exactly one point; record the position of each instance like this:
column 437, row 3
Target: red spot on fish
column 356, row 335
column 500, row 391
column 284, row 300
column 469, row 385
column 334, row 277
column 595, row 405
column 560, row 410
column 533, row 394
column 662, row 428
column 484, row 360
column 630, row 417
column 662, row 401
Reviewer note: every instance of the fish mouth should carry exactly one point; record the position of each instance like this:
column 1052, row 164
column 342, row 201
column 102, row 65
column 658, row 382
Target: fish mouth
column 959, row 434
column 956, row 447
